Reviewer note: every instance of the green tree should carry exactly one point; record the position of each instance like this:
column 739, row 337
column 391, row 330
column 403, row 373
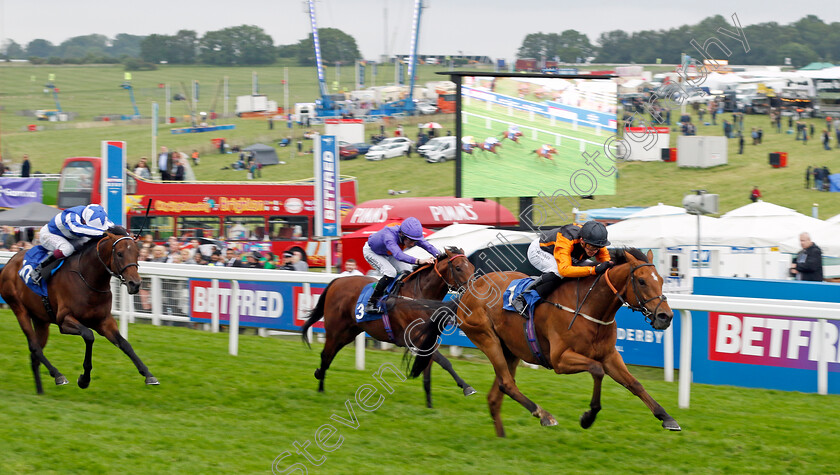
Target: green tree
column 40, row 48
column 155, row 48
column 81, row 46
column 183, row 47
column 244, row 44
column 126, row 45
column 12, row 50
column 799, row 54
column 336, row 46
column 615, row 47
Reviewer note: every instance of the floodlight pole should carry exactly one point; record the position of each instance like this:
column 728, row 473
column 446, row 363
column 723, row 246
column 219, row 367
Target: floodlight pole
column 699, row 256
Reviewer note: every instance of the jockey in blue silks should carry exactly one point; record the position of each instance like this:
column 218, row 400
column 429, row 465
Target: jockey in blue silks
column 68, row 231
column 384, row 251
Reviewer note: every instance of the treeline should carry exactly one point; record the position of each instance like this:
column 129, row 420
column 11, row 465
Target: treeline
column 804, row 41
column 240, row 45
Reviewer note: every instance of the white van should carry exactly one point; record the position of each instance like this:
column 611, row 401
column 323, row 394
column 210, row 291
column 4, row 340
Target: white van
column 439, row 149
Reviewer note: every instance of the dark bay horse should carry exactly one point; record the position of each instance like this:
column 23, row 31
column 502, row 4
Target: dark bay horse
column 570, row 345
column 337, row 306
column 79, row 301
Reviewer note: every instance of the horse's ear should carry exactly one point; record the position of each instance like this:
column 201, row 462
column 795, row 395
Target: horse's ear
column 650, row 256
column 629, row 257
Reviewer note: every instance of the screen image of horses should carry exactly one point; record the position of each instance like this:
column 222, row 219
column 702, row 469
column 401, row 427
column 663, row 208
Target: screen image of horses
column 526, row 135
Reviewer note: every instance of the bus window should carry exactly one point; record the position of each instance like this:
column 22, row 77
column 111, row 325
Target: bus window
column 76, row 184
column 289, row 227
column 242, row 228
column 160, row 227
column 198, row 226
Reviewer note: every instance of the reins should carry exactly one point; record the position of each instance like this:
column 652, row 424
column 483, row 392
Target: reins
column 107, row 267
column 640, row 305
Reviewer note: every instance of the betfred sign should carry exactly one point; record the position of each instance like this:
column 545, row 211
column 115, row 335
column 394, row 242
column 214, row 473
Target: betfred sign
column 276, row 305
column 784, row 342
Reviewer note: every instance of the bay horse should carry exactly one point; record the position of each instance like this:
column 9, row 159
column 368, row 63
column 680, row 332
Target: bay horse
column 545, row 153
column 570, row 344
column 512, row 136
column 337, row 306
column 79, row 298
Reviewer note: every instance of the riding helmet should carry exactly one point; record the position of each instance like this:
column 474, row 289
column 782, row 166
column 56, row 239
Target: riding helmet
column 412, row 229
column 594, row 233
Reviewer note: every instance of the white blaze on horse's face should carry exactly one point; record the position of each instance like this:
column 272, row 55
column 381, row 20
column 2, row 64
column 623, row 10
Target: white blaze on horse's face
column 655, row 279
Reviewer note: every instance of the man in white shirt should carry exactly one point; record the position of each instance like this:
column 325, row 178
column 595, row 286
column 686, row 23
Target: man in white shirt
column 350, row 268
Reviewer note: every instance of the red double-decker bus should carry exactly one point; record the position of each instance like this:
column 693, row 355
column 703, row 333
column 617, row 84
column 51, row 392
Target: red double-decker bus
column 247, row 215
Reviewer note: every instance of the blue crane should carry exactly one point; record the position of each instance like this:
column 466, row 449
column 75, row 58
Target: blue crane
column 127, row 85
column 407, row 106
column 54, row 90
column 326, row 105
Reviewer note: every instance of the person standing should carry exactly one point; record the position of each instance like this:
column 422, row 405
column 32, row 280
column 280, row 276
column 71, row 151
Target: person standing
column 178, row 170
column 350, row 268
column 808, row 178
column 25, row 167
column 826, row 139
column 807, row 265
column 164, row 163
column 299, row 262
column 740, row 143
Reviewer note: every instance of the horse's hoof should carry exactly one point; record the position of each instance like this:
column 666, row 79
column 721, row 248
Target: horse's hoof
column 469, row 391
column 672, row 425
column 548, row 420
column 319, row 374
column 61, row 380
column 152, row 381
column 83, row 381
column 586, row 420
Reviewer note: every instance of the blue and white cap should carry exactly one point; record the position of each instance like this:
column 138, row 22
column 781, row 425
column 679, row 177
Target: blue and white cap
column 96, row 217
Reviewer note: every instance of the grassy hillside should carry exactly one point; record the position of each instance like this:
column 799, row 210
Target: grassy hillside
column 216, row 413
column 94, row 90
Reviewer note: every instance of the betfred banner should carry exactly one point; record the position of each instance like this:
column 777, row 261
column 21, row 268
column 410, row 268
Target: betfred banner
column 784, row 342
column 275, row 305
column 327, row 196
column 15, row 192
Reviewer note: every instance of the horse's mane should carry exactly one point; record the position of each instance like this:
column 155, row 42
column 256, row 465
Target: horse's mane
column 617, row 255
column 451, row 249
column 118, row 230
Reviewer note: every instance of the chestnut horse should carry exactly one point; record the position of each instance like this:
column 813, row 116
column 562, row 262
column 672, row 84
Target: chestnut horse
column 79, row 301
column 546, row 153
column 571, row 344
column 337, row 306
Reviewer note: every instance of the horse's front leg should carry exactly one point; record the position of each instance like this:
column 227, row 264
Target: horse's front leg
column 108, row 329
column 615, row 367
column 445, row 364
column 71, row 326
column 565, row 361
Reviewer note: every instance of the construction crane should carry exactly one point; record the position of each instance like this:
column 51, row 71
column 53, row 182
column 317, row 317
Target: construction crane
column 326, row 106
column 127, row 85
column 407, row 106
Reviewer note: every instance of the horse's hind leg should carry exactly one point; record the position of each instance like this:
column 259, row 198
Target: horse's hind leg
column 495, row 397
column 614, row 366
column 492, row 348
column 334, row 344
column 71, row 326
column 108, row 329
column 445, row 364
column 37, row 339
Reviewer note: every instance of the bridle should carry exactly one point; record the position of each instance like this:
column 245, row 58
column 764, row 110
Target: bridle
column 119, row 274
column 640, row 305
column 457, row 285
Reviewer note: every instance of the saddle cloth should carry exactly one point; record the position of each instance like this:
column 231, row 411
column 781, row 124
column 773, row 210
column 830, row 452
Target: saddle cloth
column 33, row 257
column 515, row 288
column 361, row 315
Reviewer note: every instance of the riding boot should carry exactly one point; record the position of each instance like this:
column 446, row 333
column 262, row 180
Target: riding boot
column 519, row 304
column 548, row 284
column 378, row 291
column 39, row 269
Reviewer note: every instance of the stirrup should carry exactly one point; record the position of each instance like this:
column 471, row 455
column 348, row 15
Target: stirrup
column 519, row 304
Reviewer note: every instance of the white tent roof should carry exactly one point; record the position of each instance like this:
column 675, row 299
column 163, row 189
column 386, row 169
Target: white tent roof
column 762, row 224
column 658, row 210
column 826, row 237
column 833, row 219
column 660, row 230
column 472, row 237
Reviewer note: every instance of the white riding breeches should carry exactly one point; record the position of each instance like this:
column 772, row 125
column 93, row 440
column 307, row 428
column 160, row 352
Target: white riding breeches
column 386, row 265
column 52, row 242
column 542, row 260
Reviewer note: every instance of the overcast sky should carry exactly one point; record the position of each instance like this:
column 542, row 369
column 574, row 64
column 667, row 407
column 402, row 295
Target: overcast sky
column 494, row 28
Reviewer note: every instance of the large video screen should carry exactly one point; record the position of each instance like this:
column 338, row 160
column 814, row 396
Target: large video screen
column 527, row 135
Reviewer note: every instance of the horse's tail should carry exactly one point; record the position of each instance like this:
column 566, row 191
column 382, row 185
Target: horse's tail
column 422, row 339
column 316, row 314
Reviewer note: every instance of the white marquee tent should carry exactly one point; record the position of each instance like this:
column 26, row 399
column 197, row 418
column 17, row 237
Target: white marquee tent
column 761, row 224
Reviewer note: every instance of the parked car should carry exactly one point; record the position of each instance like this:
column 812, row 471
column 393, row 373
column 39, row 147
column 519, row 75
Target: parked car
column 425, row 108
column 391, row 140
column 349, row 151
column 439, row 149
column 388, row 150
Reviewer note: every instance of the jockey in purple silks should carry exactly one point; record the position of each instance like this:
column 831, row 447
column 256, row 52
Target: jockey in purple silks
column 384, row 251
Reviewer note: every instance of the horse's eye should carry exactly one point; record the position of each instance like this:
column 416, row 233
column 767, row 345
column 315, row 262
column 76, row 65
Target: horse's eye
column 642, row 282
column 119, row 254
